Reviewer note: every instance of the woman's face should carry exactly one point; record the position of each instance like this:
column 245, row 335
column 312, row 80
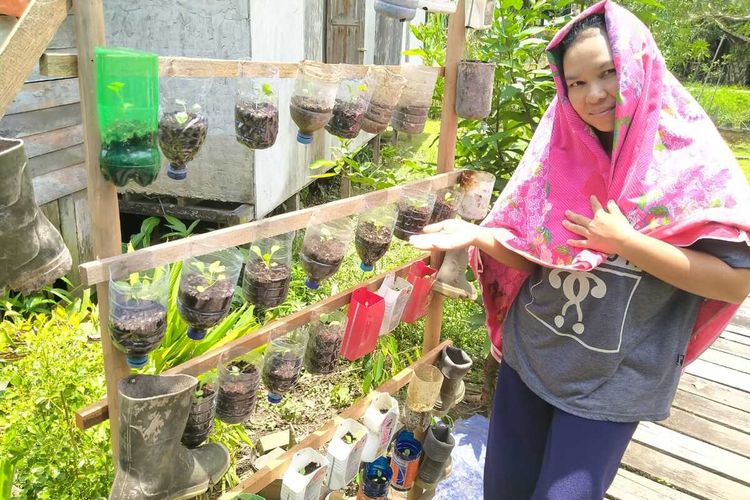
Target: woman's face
column 591, row 79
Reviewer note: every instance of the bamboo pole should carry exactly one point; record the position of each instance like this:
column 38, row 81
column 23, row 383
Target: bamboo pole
column 102, row 195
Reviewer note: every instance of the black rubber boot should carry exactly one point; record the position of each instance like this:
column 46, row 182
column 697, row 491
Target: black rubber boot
column 437, row 447
column 454, row 364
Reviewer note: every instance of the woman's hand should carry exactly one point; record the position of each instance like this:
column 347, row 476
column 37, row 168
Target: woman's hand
column 447, row 235
column 607, row 232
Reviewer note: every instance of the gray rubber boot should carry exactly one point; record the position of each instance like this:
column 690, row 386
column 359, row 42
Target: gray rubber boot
column 32, row 252
column 153, row 463
column 437, row 447
column 454, row 364
column 451, row 278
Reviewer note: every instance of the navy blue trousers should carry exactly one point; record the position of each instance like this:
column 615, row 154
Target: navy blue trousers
column 536, row 451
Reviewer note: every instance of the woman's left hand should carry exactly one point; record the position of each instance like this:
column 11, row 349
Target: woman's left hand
column 605, row 233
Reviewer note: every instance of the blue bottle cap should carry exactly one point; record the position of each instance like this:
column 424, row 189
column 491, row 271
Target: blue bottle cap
column 274, row 398
column 137, row 361
column 177, row 174
column 196, row 333
column 312, row 284
column 303, row 138
column 366, row 267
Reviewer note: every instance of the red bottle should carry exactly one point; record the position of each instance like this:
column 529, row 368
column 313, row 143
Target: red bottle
column 365, row 316
column 421, row 276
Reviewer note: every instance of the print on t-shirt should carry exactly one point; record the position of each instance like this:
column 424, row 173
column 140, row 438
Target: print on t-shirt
column 572, row 309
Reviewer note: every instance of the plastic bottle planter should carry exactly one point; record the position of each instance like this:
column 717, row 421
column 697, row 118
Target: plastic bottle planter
column 474, row 86
column 239, row 379
column 447, row 203
column 314, row 95
column 477, row 191
column 454, row 364
column 414, row 105
column 200, row 420
column 373, row 235
column 403, row 10
column 324, row 249
column 256, row 108
column 479, row 14
column 206, row 289
column 183, row 125
column 282, row 363
column 376, row 479
column 414, row 212
column 421, row 276
column 395, row 292
column 421, row 395
column 387, row 88
column 305, row 475
column 363, row 323
column 138, row 313
column 437, row 448
column 128, row 108
column 345, row 453
column 381, row 419
column 351, row 103
column 268, row 271
column 324, row 344
column 405, row 460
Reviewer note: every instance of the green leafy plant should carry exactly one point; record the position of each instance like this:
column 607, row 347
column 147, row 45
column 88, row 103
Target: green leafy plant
column 181, row 117
column 116, row 88
column 267, row 257
column 179, row 229
column 212, row 273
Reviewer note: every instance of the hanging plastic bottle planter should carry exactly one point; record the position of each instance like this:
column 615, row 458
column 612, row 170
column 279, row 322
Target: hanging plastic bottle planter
column 381, row 419
column 421, row 395
column 375, row 480
column 324, row 345
column 324, row 248
column 387, row 88
column 474, row 85
column 206, row 289
column 345, row 453
column 183, row 124
column 447, row 203
column 305, row 475
column 413, row 107
column 313, row 99
column 352, row 100
column 256, row 106
column 128, row 107
column 364, row 318
column 200, row 420
column 476, row 187
column 395, row 292
column 479, row 14
column 414, row 212
column 282, row 363
column 268, row 271
column 421, row 276
column 374, row 234
column 239, row 379
column 138, row 313
column 407, row 451
column 403, row 10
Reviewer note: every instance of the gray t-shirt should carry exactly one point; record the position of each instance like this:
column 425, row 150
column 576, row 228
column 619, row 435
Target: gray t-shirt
column 606, row 344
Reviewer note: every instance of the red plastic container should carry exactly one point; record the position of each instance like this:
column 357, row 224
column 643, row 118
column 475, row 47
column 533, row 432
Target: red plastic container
column 421, row 276
column 365, row 316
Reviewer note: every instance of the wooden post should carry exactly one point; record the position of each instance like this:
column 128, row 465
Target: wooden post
column 102, row 195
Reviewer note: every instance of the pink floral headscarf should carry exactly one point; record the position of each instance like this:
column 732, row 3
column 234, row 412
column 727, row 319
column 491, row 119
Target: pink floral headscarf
column 670, row 173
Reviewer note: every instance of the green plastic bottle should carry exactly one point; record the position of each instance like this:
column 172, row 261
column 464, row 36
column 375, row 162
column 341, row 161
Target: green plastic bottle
column 127, row 84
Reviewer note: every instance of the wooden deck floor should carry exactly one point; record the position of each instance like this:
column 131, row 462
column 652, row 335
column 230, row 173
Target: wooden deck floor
column 703, row 449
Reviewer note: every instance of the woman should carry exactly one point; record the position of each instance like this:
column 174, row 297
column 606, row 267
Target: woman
column 616, row 254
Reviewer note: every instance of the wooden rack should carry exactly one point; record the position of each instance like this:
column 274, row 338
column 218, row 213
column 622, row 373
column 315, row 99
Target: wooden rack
column 18, row 55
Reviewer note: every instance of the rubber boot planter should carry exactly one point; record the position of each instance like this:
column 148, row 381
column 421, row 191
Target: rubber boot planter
column 387, row 91
column 414, row 212
column 405, row 460
column 436, row 448
column 152, row 463
column 324, row 248
column 206, row 289
column 403, row 10
column 32, row 253
column 376, row 480
column 256, row 108
column 413, row 107
column 305, row 475
column 374, row 234
column 454, row 364
column 474, row 85
column 183, row 125
column 138, row 313
column 324, row 344
column 477, row 189
column 282, row 363
column 447, row 203
column 200, row 421
column 451, row 277
column 239, row 379
column 352, row 101
column 314, row 95
column 128, row 104
column 344, row 453
column 268, row 271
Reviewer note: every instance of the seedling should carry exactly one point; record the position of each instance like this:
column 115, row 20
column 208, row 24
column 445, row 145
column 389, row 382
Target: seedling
column 267, row 89
column 448, row 196
column 266, row 257
column 348, row 438
column 142, row 285
column 117, row 87
column 182, row 116
column 326, row 233
column 212, row 273
column 332, row 319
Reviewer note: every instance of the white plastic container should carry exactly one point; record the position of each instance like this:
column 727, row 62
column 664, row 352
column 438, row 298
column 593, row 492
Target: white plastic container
column 296, row 486
column 344, row 458
column 381, row 419
column 395, row 292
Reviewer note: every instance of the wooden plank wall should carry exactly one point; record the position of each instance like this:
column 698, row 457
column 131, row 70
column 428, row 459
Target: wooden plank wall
column 46, row 115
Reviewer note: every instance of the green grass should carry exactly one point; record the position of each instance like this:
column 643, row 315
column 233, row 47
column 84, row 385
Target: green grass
column 742, row 152
column 421, row 147
column 727, row 105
